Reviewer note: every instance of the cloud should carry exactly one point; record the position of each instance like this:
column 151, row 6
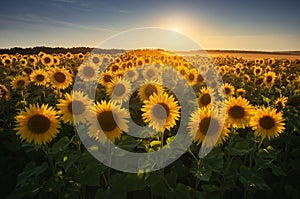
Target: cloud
column 125, row 11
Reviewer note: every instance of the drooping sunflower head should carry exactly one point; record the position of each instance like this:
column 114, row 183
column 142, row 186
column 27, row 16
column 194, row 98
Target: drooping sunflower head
column 148, row 89
column 161, row 111
column 111, row 120
column 19, row 82
column 238, row 112
column 39, row 77
column 38, row 124
column 267, row 123
column 75, row 108
column 60, row 78
column 246, row 78
column 207, row 127
column 240, row 92
column 280, row 103
column 119, row 90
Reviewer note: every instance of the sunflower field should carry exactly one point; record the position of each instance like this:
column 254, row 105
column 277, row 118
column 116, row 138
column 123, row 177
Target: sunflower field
column 249, row 121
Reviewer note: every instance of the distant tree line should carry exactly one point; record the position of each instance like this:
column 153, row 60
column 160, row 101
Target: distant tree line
column 50, row 50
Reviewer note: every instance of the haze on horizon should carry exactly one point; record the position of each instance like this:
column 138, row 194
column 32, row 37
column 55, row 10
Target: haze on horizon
column 225, row 25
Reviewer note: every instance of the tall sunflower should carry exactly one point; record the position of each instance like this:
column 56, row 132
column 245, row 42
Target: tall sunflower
column 38, row 124
column 206, row 124
column 206, row 97
column 238, row 112
column 111, row 121
column 161, row 111
column 119, row 90
column 269, row 78
column 60, row 78
column 88, row 72
column 39, row 77
column 75, row 108
column 267, row 123
column 47, row 60
column 19, row 82
column 148, row 89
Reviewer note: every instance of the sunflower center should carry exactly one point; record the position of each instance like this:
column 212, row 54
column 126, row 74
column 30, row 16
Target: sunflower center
column 191, row 77
column 227, row 90
column 89, row 71
column 115, row 68
column 237, row 112
column 20, row 83
column 96, row 60
column 150, row 89
column 257, row 71
column 150, row 73
column 200, row 78
column 209, row 123
column 40, row 77
column 269, row 79
column 60, row 77
column 76, row 107
column 119, row 90
column 31, row 60
column 47, row 60
column 205, row 99
column 238, row 70
column 107, row 78
column 130, row 73
column 266, row 122
column 7, row 61
column 28, row 71
column 160, row 111
column 182, row 72
column 107, row 121
column 259, row 81
column 38, row 124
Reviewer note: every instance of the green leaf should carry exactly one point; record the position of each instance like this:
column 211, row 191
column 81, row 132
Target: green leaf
column 31, row 170
column 214, row 160
column 89, row 176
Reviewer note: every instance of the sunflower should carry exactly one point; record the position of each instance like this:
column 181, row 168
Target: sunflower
column 267, row 123
column 80, row 56
column 280, row 103
column 119, row 90
column 269, row 79
column 206, row 97
column 37, row 124
column 226, row 90
column 240, row 92
column 150, row 72
column 115, row 67
column 32, row 60
column 68, row 55
column 238, row 112
column 257, row 70
column 246, row 78
column 23, row 62
column 56, row 60
column 19, row 82
column 111, row 120
column 39, row 77
column 191, row 76
column 4, row 93
column 131, row 75
column 75, row 108
column 47, row 60
column 60, row 78
column 161, row 111
column 139, row 63
column 88, row 72
column 148, row 89
column 106, row 78
column 6, row 61
column 206, row 127
column 182, row 70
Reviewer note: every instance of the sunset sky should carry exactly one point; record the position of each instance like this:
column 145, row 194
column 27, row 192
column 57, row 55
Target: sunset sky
column 239, row 25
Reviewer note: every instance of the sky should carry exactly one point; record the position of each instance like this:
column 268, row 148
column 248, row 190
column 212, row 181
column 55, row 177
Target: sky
column 225, row 25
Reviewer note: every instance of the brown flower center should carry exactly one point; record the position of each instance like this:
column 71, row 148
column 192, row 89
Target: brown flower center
column 119, row 90
column 76, row 107
column 237, row 112
column 20, row 83
column 205, row 99
column 40, row 77
column 107, row 121
column 269, row 79
column 88, row 71
column 160, row 111
column 107, row 78
column 96, row 60
column 150, row 73
column 266, row 122
column 210, row 124
column 47, row 60
column 38, row 124
column 60, row 77
column 149, row 90
column 191, row 77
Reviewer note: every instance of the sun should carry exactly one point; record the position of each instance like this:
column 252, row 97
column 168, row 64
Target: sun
column 175, row 28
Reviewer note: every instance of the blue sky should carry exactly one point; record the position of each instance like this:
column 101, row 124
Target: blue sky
column 245, row 25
